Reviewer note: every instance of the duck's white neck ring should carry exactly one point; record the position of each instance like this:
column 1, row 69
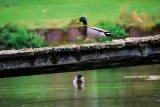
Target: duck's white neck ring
column 84, row 25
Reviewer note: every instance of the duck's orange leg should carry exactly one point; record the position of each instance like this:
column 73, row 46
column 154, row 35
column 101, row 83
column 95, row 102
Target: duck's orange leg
column 87, row 39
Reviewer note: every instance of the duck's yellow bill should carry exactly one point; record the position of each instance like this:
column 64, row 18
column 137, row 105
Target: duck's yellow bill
column 83, row 77
column 77, row 21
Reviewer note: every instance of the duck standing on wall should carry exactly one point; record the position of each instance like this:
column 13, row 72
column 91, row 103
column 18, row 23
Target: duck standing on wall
column 78, row 81
column 92, row 33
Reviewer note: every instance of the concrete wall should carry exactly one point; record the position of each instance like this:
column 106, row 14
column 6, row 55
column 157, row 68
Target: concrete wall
column 128, row 52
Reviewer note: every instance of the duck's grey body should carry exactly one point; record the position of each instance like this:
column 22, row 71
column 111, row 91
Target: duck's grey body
column 96, row 33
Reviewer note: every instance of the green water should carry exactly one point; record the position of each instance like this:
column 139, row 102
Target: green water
column 103, row 88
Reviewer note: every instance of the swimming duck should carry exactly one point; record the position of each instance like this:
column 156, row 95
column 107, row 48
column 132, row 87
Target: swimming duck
column 92, row 33
column 78, row 81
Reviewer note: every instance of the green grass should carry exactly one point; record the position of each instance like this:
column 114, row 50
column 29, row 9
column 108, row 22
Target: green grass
column 58, row 13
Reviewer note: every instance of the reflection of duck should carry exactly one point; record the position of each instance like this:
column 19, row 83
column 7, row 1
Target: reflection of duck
column 92, row 32
column 78, row 81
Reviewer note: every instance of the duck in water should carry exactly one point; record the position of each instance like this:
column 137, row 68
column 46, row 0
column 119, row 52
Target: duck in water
column 92, row 33
column 78, row 81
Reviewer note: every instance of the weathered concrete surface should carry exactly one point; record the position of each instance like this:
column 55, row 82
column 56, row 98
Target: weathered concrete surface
column 119, row 53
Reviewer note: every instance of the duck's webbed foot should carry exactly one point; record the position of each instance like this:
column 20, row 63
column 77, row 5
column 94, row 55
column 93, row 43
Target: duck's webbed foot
column 87, row 40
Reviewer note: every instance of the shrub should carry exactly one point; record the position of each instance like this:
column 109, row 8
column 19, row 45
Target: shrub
column 158, row 24
column 14, row 37
column 141, row 20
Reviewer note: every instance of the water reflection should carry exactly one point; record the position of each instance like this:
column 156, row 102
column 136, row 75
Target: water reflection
column 103, row 88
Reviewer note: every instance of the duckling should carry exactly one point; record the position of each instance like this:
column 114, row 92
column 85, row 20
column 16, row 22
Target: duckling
column 92, row 33
column 78, row 81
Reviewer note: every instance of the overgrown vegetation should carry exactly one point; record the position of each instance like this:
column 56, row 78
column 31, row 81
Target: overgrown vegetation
column 142, row 20
column 135, row 13
column 14, row 37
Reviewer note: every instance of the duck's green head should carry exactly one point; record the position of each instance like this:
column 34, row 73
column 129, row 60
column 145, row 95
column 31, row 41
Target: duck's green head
column 83, row 20
column 80, row 76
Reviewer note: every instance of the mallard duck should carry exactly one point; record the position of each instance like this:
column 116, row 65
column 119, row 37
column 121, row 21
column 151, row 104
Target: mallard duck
column 78, row 81
column 92, row 33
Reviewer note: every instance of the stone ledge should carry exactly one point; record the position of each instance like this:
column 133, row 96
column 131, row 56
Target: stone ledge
column 93, row 46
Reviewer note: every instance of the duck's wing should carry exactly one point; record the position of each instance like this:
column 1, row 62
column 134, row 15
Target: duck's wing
column 74, row 83
column 97, row 32
column 92, row 33
column 99, row 29
column 107, row 33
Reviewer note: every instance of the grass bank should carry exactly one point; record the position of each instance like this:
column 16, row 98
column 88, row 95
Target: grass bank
column 58, row 13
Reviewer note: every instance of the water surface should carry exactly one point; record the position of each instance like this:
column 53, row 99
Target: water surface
column 120, row 87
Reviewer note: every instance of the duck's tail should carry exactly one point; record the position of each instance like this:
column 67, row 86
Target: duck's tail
column 108, row 33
